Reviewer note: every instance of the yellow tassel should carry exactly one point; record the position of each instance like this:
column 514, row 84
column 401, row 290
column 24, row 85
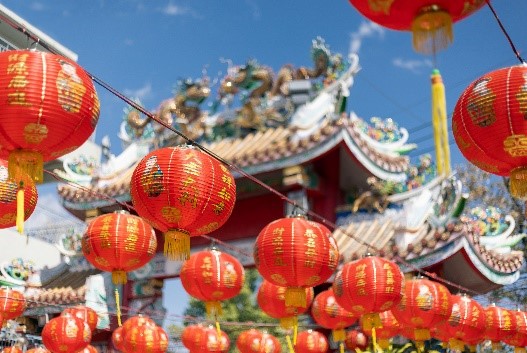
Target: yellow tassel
column 288, row 322
column 295, row 331
column 289, row 344
column 213, row 309
column 370, row 321
column 383, row 344
column 519, row 349
column 27, row 162
column 20, row 209
column 118, row 307
column 432, row 30
column 456, row 344
column 374, row 339
column 472, row 348
column 439, row 123
column 420, row 345
column 341, row 345
column 358, row 350
column 519, row 183
column 339, row 335
column 119, row 277
column 422, row 334
column 177, row 245
column 295, row 296
column 218, row 330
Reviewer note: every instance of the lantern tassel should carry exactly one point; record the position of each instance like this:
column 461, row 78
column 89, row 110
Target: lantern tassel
column 119, row 277
column 456, row 344
column 118, row 307
column 289, row 344
column 218, row 330
column 213, row 309
column 370, row 321
column 519, row 349
column 383, row 344
column 341, row 345
column 422, row 334
column 374, row 339
column 20, row 209
column 339, row 335
column 432, row 30
column 358, row 350
column 472, row 348
column 518, row 182
column 295, row 296
column 28, row 162
column 177, row 245
column 439, row 123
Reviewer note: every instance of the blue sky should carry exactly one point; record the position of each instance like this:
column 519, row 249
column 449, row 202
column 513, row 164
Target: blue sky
column 142, row 48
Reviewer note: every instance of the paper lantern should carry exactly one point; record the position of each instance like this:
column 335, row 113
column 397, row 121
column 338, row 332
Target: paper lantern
column 467, row 321
column 356, row 339
column 430, row 21
column 118, row 338
column 369, row 286
column 212, row 341
column 212, row 276
column 490, row 128
column 84, row 313
column 500, row 324
column 183, row 192
column 295, row 253
column 12, row 349
column 271, row 299
column 88, row 349
column 519, row 337
column 66, row 334
column 389, row 328
column 424, row 304
column 191, row 337
column 138, row 320
column 48, row 107
column 145, row 338
column 329, row 314
column 38, row 350
column 440, row 332
column 249, row 341
column 311, row 342
column 119, row 242
column 12, row 304
column 270, row 344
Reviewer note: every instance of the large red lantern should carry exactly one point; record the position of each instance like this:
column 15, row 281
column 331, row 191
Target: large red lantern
column 119, row 242
column 500, row 324
column 311, row 342
column 271, row 299
column 356, row 339
column 424, row 304
column 329, row 314
column 49, row 108
column 490, row 128
column 183, row 192
column 295, row 253
column 12, row 304
column 389, row 328
column 84, row 313
column 519, row 338
column 467, row 321
column 145, row 338
column 430, row 21
column 66, row 334
column 369, row 286
column 118, row 338
column 212, row 276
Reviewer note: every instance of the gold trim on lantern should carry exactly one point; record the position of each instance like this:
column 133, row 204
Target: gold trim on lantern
column 519, row 183
column 177, row 244
column 295, row 296
column 119, row 277
column 213, row 309
column 370, row 321
column 422, row 334
column 432, row 30
column 28, row 162
column 339, row 335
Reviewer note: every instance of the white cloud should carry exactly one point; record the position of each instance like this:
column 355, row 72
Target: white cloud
column 174, row 10
column 365, row 30
column 139, row 93
column 414, row 66
column 37, row 6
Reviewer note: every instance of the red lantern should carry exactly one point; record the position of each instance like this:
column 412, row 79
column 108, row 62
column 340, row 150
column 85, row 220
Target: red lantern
column 138, row 320
column 183, row 192
column 84, row 313
column 38, row 350
column 519, row 338
column 467, row 321
column 356, row 339
column 88, row 349
column 118, row 338
column 311, row 342
column 429, row 20
column 390, row 327
column 12, row 349
column 49, row 108
column 271, row 299
column 295, row 253
column 145, row 338
column 489, row 125
column 369, row 286
column 440, row 332
column 12, row 304
column 66, row 334
column 212, row 276
column 270, row 344
column 424, row 304
column 249, row 341
column 500, row 324
column 211, row 341
column 329, row 314
column 118, row 243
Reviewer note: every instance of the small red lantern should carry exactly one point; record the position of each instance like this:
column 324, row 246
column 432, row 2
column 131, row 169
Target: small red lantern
column 271, row 299
column 519, row 338
column 183, row 192
column 66, row 334
column 211, row 341
column 369, row 286
column 295, row 253
column 311, row 342
column 119, row 242
column 118, row 338
column 249, row 341
column 500, row 324
column 12, row 304
column 88, row 349
column 270, row 344
column 429, row 20
column 145, row 338
column 49, row 108
column 329, row 314
column 191, row 337
column 38, row 350
column 138, row 320
column 390, row 327
column 356, row 339
column 212, row 276
column 467, row 321
column 84, row 313
column 424, row 304
column 490, row 128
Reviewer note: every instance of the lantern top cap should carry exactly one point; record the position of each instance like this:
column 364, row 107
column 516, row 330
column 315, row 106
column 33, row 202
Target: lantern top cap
column 297, row 215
